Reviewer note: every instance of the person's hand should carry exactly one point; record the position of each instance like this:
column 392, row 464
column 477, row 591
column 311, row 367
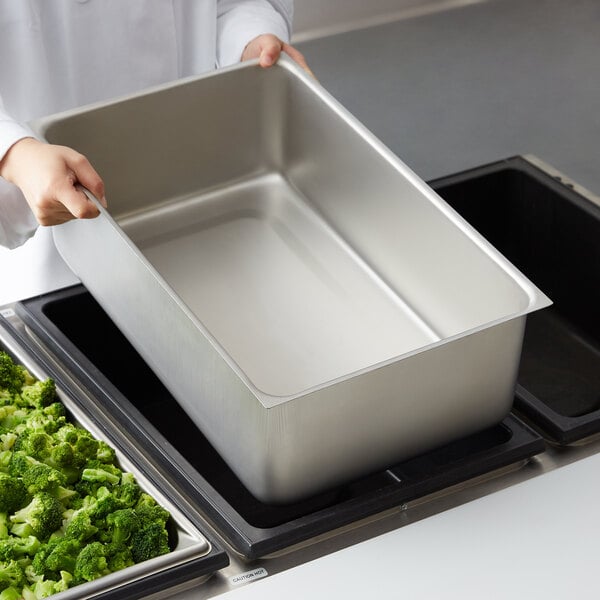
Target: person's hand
column 268, row 47
column 47, row 175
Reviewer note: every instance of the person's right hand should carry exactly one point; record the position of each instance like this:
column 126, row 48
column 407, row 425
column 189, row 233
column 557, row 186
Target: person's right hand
column 47, row 175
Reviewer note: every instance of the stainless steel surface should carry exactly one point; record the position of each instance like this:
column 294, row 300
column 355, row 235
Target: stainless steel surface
column 319, row 313
column 191, row 544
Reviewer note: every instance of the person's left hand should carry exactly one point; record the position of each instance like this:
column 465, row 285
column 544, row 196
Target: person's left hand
column 268, row 47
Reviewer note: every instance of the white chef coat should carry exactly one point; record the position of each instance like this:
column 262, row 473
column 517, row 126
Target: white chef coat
column 59, row 54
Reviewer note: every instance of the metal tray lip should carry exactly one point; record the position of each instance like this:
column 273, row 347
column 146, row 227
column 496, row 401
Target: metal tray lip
column 536, row 298
column 41, row 124
column 108, row 583
column 202, row 557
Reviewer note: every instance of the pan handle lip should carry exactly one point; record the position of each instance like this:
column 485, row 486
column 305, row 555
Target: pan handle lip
column 91, row 197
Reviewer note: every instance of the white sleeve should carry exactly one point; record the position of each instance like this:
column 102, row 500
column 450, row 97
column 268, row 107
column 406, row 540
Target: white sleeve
column 240, row 21
column 17, row 222
column 10, row 131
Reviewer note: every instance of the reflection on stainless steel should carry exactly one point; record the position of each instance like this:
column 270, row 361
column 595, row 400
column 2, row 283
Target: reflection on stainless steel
column 284, row 290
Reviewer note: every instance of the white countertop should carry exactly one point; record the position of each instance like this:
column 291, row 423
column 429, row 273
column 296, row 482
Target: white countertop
column 535, row 540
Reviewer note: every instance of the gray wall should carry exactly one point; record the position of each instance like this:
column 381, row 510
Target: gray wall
column 316, row 18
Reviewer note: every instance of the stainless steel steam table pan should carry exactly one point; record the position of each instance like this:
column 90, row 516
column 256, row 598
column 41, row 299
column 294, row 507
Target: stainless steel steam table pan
column 315, row 307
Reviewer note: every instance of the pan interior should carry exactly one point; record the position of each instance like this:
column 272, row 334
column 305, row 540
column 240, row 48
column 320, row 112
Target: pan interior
column 284, row 295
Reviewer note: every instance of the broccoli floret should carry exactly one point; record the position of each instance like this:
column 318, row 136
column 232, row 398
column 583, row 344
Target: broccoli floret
column 150, row 512
column 122, row 524
column 13, row 493
column 127, row 494
column 149, row 542
column 37, row 476
column 15, row 548
column 10, row 593
column 19, row 463
column 27, row 594
column 38, row 568
column 97, row 476
column 66, row 495
column 40, row 419
column 86, row 445
column 56, row 411
column 11, row 575
column 105, row 504
column 22, row 529
column 63, row 556
column 105, row 454
column 127, row 478
column 51, row 417
column 145, row 501
column 5, row 457
column 67, row 433
column 12, row 417
column 43, row 515
column 39, row 393
column 6, row 410
column 91, row 563
column 34, row 443
column 100, row 476
column 45, row 448
column 3, row 526
column 41, row 589
column 150, row 539
column 64, row 582
column 86, row 489
column 12, row 376
column 118, row 556
column 87, row 451
column 41, row 477
column 80, row 527
column 26, row 546
column 62, row 456
column 7, row 440
column 21, row 420
column 64, row 452
column 5, row 397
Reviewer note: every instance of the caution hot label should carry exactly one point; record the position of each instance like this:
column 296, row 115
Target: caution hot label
column 248, row 576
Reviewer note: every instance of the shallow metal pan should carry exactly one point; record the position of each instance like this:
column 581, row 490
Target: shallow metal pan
column 313, row 305
column 193, row 556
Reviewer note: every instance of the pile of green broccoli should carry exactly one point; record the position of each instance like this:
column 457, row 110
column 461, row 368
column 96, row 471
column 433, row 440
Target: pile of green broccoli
column 68, row 514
